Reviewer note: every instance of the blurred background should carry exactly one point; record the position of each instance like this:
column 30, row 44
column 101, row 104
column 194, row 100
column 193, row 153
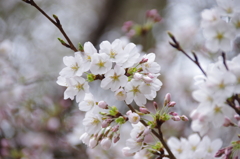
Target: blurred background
column 35, row 121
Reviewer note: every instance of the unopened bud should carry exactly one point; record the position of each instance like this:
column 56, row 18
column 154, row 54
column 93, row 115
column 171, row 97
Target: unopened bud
column 167, row 99
column 144, row 110
column 106, row 122
column 227, row 122
column 151, row 75
column 143, row 61
column 93, row 142
column 173, row 113
column 134, row 118
column 115, row 128
column 237, row 117
column 184, row 118
column 155, row 105
column 116, row 139
column 137, row 76
column 127, row 26
column 140, row 139
column 172, row 104
column 127, row 152
column 176, row 118
column 102, row 105
column 147, row 79
column 106, row 143
column 147, row 131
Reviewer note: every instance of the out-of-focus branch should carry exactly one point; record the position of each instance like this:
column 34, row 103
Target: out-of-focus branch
column 56, row 22
column 177, row 46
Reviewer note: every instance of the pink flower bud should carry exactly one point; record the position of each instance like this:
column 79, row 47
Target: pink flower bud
column 93, row 142
column 129, row 112
column 140, row 139
column 151, row 13
column 147, row 131
column 102, row 105
column 176, row 118
column 115, row 128
column 106, row 143
column 237, row 117
column 116, row 139
column 150, row 75
column 127, row 152
column 85, row 138
column 53, row 123
column 106, row 122
column 167, row 99
column 184, row 118
column 155, row 105
column 172, row 104
column 144, row 110
column 127, row 26
column 227, row 122
column 173, row 113
column 143, row 61
column 134, row 118
column 137, row 76
column 147, row 79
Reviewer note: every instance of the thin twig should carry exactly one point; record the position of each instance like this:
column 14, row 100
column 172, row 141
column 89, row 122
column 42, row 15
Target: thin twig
column 224, row 60
column 159, row 136
column 177, row 46
column 56, row 23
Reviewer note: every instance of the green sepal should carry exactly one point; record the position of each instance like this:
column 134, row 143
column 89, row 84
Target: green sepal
column 120, row 120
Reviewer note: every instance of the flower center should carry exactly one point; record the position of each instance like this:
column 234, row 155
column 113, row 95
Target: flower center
column 75, row 67
column 219, row 36
column 217, row 109
column 79, row 87
column 115, row 77
column 135, row 90
column 112, row 54
column 100, row 64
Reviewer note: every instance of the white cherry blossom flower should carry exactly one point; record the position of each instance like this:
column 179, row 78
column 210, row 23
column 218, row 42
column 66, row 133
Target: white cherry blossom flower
column 100, row 64
column 88, row 103
column 150, row 66
column 120, row 94
column 61, row 81
column 92, row 123
column 114, row 79
column 178, row 147
column 77, row 86
column 219, row 36
column 114, row 51
column 209, row 17
column 89, row 50
column 74, row 65
column 133, row 55
column 135, row 91
column 228, row 8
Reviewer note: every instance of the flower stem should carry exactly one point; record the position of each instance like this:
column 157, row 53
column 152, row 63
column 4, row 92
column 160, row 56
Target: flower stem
column 56, row 23
column 158, row 135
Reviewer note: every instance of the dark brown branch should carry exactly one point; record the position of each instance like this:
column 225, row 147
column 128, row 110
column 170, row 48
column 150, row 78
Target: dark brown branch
column 224, row 60
column 159, row 136
column 56, row 23
column 177, row 46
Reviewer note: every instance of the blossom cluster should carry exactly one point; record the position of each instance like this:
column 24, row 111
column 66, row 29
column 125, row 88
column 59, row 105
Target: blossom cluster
column 218, row 90
column 221, row 25
column 194, row 147
column 120, row 68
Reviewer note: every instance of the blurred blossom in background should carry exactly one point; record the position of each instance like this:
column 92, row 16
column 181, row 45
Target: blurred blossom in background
column 35, row 121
